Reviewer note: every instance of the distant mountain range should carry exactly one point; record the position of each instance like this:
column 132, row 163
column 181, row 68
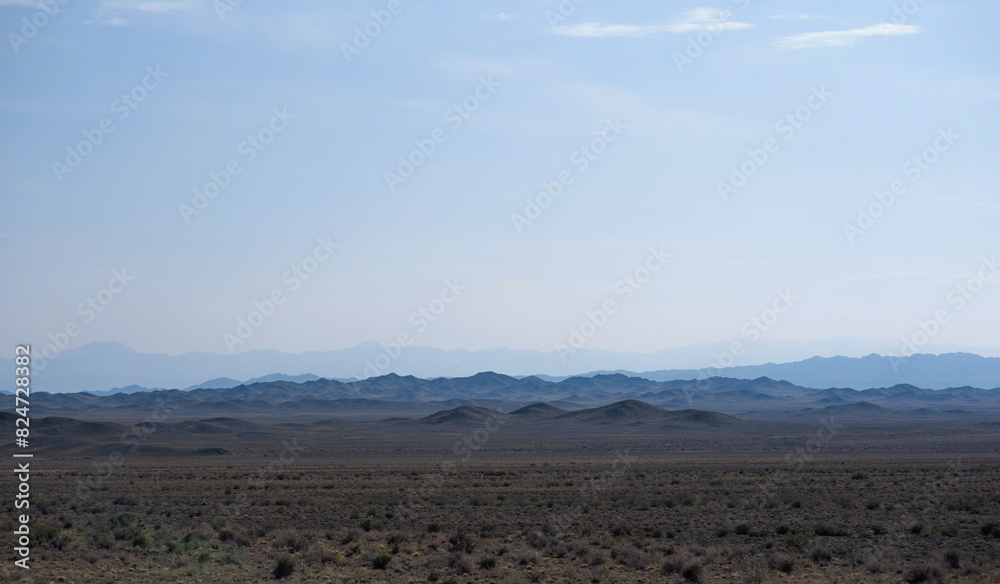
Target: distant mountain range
column 98, row 367
column 220, row 383
column 761, row 398
column 930, row 371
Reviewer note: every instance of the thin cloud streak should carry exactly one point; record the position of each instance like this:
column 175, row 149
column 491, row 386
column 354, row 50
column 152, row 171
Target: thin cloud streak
column 148, row 5
column 798, row 16
column 695, row 20
column 842, row 38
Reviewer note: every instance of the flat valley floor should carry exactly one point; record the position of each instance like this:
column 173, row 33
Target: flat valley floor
column 225, row 501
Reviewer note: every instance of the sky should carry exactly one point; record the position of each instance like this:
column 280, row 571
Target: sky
column 786, row 170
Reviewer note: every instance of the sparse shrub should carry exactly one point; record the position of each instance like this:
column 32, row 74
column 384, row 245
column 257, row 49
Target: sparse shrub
column 950, row 529
column 966, row 503
column 918, row 528
column 381, row 560
column 672, row 566
column 291, row 540
column 529, row 557
column 820, row 555
column 126, row 500
column 953, row 559
column 125, row 533
column 754, row 571
column 630, row 557
column 621, row 529
column 396, row 538
column 859, row 475
column 827, row 530
column 46, row 533
column 487, row 562
column 353, row 534
column 318, row 554
column 283, row 567
column 782, row 563
column 990, row 529
column 744, row 528
column 692, row 573
column 921, row 573
column 873, row 565
column 538, row 541
column 369, row 524
column 435, row 527
column 783, row 529
column 103, row 541
column 462, row 542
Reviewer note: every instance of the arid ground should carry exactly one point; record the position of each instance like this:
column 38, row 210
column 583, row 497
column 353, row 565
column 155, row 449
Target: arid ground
column 465, row 499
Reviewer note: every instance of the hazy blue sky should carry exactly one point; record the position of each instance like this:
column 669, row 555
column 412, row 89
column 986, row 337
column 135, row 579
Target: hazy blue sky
column 687, row 88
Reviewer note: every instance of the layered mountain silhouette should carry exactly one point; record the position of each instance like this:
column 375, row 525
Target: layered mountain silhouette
column 613, row 397
column 97, row 367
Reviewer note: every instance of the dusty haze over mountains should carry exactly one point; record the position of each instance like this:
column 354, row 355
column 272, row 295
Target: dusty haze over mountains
column 104, row 366
column 500, row 291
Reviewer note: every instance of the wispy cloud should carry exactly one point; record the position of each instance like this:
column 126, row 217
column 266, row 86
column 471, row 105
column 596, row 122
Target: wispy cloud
column 842, row 38
column 797, row 16
column 695, row 20
column 501, row 16
column 148, row 5
column 114, row 12
column 893, row 275
column 114, row 21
